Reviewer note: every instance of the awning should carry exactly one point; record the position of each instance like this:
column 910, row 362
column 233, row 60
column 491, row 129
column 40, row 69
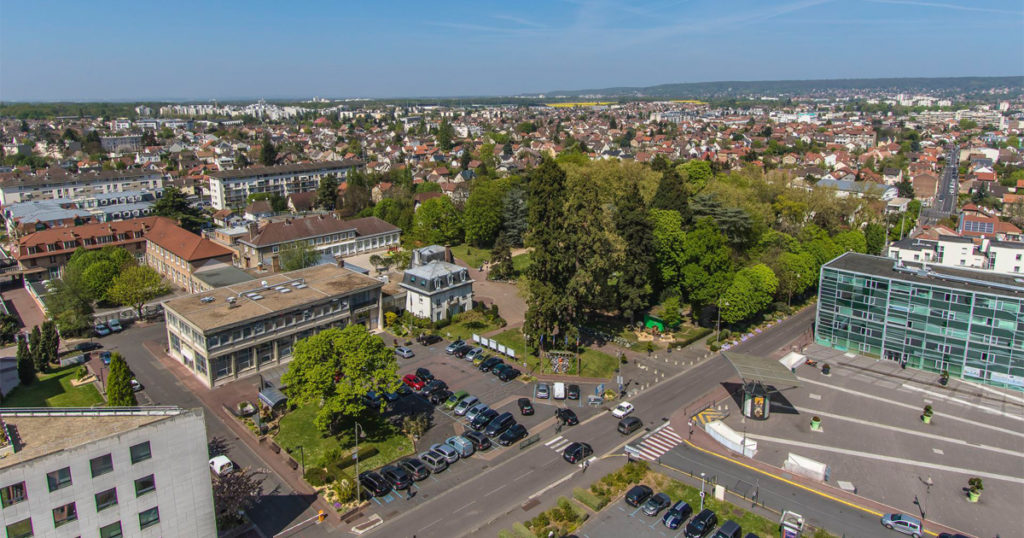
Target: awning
column 758, row 369
column 272, row 397
column 793, row 360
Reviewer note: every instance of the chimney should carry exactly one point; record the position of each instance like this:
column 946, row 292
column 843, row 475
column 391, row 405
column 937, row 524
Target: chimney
column 448, row 254
column 253, row 230
column 415, row 258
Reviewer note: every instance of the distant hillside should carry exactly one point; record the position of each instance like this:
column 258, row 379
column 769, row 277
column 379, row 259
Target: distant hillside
column 952, row 86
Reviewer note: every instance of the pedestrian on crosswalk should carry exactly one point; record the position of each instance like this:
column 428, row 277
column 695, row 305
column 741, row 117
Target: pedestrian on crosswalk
column 586, row 463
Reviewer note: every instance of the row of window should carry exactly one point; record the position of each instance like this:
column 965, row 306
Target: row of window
column 24, row 529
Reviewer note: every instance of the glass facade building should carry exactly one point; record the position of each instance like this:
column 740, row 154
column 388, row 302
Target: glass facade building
column 935, row 318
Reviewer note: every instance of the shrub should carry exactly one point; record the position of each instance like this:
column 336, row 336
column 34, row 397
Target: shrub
column 316, row 476
column 726, row 333
column 82, row 372
column 365, row 453
column 592, row 501
column 715, row 346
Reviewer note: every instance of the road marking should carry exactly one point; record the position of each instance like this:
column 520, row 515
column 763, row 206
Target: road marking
column 814, row 396
column 984, row 408
column 465, row 506
column 551, row 486
column 891, row 459
column 497, row 488
column 522, row 476
column 553, row 441
column 937, row 451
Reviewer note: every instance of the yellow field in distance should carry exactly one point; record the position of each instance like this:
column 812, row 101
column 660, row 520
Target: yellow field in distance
column 689, row 101
column 570, row 105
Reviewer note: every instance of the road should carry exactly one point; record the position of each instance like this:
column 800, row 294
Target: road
column 948, row 190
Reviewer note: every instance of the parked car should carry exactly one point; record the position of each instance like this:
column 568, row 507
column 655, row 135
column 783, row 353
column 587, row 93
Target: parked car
column 491, row 362
column 428, row 339
column 452, row 347
column 498, row 369
column 434, row 460
column 577, row 452
column 558, row 390
column 479, row 359
column 101, row 329
column 677, row 515
column 475, row 410
column 372, row 399
column 656, row 504
column 463, row 350
column 464, row 446
column 513, row 434
column 904, row 524
column 479, row 440
column 374, row 483
column 391, row 396
column 464, row 405
column 500, row 423
column 416, row 468
column 105, row 357
column 434, row 385
column 622, row 410
column 573, row 392
column 729, row 529
column 404, row 352
column 396, row 477
column 474, row 353
column 440, row 396
column 115, row 325
column 221, row 465
column 450, row 454
column 629, row 425
column 543, row 392
column 413, row 382
column 638, row 494
column 483, row 419
column 424, row 374
column 136, row 386
column 454, row 399
column 87, row 346
column 701, row 524
column 566, row 416
column 403, row 390
column 508, row 373
column 525, row 407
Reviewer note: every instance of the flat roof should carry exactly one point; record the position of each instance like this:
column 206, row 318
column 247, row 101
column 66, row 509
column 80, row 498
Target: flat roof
column 223, row 276
column 977, row 281
column 321, row 282
column 767, row 371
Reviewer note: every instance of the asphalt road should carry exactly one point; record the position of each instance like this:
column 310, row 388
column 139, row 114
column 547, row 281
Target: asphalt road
column 780, row 335
column 948, row 190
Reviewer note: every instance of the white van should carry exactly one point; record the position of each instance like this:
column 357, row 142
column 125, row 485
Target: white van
column 558, row 392
column 221, row 465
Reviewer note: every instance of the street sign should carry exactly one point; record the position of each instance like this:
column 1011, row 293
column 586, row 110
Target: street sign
column 702, row 495
column 599, row 390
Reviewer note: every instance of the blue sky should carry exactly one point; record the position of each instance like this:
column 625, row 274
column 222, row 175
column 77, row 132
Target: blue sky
column 348, row 48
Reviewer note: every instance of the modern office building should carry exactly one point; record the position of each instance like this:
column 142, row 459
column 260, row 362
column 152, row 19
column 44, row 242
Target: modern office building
column 933, row 317
column 239, row 330
column 107, row 472
column 231, row 188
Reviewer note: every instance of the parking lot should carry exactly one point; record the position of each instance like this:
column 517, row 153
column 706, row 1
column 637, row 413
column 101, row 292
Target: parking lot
column 621, row 519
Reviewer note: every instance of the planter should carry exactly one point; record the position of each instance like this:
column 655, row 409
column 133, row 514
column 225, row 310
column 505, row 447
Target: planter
column 816, row 424
column 943, row 381
column 826, row 369
column 927, row 419
column 973, row 496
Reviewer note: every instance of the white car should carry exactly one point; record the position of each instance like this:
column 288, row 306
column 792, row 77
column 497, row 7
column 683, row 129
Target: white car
column 114, row 325
column 221, row 465
column 622, row 410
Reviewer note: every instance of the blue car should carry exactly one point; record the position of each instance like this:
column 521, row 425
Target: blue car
column 677, row 515
column 105, row 357
column 101, row 329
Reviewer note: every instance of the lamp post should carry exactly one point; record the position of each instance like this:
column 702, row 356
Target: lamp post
column 719, row 324
column 702, row 491
column 359, row 488
column 302, row 456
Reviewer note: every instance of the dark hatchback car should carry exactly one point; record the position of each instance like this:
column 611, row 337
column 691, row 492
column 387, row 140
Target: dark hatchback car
column 396, row 476
column 440, row 397
column 525, row 407
column 513, row 434
column 462, row 350
column 566, row 416
column 701, row 524
column 500, row 423
column 508, row 373
column 434, row 385
column 677, row 515
column 490, row 363
column 424, row 374
column 483, row 419
column 428, row 339
column 374, row 483
column 638, row 494
column 576, row 452
column 479, row 440
column 416, row 468
column 573, row 392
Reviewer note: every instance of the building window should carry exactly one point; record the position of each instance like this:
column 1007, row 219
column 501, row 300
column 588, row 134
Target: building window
column 141, row 452
column 111, row 531
column 60, row 478
column 64, row 514
column 13, row 494
column 148, row 518
column 21, row 529
column 101, row 465
column 106, row 499
column 144, row 485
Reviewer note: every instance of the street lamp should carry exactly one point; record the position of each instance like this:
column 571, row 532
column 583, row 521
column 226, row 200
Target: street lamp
column 702, row 491
column 358, row 429
column 726, row 303
column 302, row 455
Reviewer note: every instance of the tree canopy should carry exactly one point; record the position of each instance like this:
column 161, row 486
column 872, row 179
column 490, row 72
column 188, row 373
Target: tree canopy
column 298, row 255
column 119, row 386
column 438, row 222
column 174, row 204
column 136, row 286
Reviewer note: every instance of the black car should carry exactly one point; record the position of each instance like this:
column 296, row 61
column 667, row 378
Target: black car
column 479, row 440
column 490, row 363
column 396, row 476
column 424, row 374
column 428, row 339
column 573, row 392
column 677, row 515
column 508, row 373
column 404, row 390
column 656, row 504
column 416, row 468
column 513, row 434
column 439, row 397
column 483, row 419
column 392, row 396
column 462, row 350
column 500, row 423
column 434, row 385
column 525, row 407
column 566, row 416
column 374, row 483
column 577, row 452
column 88, row 346
column 638, row 494
column 701, row 524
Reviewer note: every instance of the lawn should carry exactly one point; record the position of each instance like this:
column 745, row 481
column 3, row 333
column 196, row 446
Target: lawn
column 468, row 324
column 594, row 363
column 473, row 256
column 54, row 390
column 521, row 262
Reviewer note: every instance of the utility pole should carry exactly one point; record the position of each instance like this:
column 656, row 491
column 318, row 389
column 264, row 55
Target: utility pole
column 356, row 455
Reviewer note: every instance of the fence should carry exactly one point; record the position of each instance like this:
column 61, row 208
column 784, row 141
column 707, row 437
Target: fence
column 742, row 490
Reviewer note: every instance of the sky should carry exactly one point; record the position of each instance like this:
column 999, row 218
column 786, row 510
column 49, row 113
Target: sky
column 183, row 50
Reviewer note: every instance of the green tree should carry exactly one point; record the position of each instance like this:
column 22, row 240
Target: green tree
column 795, row 273
column 50, row 341
column 327, row 193
column 26, row 367
column 670, row 311
column 669, row 243
column 94, row 270
column 278, row 203
column 445, row 134
column 298, row 255
column 465, row 159
column 136, row 286
column 501, row 260
column 174, row 204
column 119, row 383
column 335, row 368
column 671, row 193
column 597, row 253
column 268, row 152
column 708, row 264
column 698, row 174
column 9, row 327
column 483, row 212
column 234, row 494
column 851, row 241
column 70, row 305
column 874, row 237
column 35, row 344
column 397, row 211
column 635, row 281
column 514, row 216
column 553, row 265
column 437, row 222
column 750, row 292
column 905, row 188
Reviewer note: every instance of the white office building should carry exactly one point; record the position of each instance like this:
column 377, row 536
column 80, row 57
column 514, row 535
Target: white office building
column 231, row 188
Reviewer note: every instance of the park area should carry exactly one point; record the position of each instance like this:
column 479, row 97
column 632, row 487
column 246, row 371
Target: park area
column 54, row 389
column 593, row 363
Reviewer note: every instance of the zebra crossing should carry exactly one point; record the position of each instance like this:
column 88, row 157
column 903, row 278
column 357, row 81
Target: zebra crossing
column 658, row 444
column 558, row 444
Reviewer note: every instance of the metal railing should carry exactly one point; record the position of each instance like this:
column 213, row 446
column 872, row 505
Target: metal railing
column 158, row 410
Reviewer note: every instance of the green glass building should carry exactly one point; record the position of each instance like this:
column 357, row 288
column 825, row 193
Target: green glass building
column 967, row 322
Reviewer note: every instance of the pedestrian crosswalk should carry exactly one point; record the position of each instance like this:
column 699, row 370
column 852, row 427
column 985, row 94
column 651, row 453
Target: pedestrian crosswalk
column 558, row 444
column 661, row 442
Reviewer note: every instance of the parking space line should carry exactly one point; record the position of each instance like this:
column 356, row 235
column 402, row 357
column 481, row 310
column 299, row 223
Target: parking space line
column 633, row 514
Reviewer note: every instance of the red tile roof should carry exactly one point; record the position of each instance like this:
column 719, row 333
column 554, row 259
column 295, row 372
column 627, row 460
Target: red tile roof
column 184, row 243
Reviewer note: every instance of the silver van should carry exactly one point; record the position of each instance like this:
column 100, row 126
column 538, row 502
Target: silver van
column 434, row 460
column 461, row 444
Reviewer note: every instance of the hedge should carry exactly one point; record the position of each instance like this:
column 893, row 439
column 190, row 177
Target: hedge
column 697, row 335
column 365, row 453
column 318, row 477
column 592, row 501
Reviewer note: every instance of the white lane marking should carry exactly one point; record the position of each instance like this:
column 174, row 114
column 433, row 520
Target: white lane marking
column 938, row 451
column 984, row 408
column 814, row 396
column 553, row 441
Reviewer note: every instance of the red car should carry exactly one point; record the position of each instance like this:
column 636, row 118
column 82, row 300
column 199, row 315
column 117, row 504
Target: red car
column 413, row 382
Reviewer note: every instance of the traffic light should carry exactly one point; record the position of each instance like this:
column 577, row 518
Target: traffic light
column 320, row 516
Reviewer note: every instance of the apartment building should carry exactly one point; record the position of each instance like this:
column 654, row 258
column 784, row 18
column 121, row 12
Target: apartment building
column 105, row 472
column 932, row 317
column 954, row 251
column 181, row 256
column 231, row 188
column 435, row 287
column 121, row 144
column 34, row 215
column 325, row 232
column 237, row 331
column 54, row 183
